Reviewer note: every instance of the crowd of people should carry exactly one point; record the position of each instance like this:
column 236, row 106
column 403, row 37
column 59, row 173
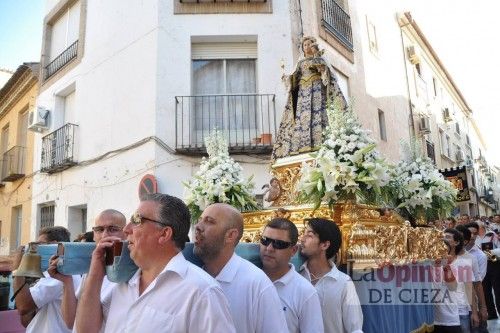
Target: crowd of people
column 170, row 294
column 474, row 286
column 230, row 294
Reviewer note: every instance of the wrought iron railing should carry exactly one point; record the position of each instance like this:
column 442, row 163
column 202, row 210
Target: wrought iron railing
column 58, row 149
column 337, row 21
column 12, row 163
column 248, row 121
column 62, row 59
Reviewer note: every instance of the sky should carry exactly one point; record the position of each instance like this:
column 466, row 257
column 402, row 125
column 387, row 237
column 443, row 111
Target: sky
column 463, row 33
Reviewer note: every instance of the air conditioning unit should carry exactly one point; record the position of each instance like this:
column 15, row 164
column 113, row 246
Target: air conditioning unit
column 424, row 125
column 38, row 119
column 413, row 55
column 446, row 115
column 459, row 156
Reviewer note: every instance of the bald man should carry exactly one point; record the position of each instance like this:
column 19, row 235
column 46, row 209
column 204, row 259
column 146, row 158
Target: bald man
column 253, row 301
column 109, row 222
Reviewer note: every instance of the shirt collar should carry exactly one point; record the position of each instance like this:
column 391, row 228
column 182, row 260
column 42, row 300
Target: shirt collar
column 333, row 273
column 228, row 273
column 178, row 264
column 287, row 278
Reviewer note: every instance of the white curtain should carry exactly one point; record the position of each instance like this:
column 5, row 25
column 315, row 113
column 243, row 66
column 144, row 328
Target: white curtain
column 221, row 88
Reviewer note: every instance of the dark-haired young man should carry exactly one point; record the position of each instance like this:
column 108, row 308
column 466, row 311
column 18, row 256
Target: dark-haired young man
column 43, row 300
column 339, row 301
column 298, row 297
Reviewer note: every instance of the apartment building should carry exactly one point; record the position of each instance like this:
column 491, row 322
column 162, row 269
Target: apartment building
column 17, row 102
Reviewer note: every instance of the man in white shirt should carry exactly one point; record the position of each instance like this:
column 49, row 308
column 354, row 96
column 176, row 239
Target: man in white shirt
column 299, row 298
column 40, row 305
column 253, row 300
column 481, row 259
column 488, row 240
column 339, row 301
column 108, row 223
column 468, row 275
column 167, row 293
column 446, row 313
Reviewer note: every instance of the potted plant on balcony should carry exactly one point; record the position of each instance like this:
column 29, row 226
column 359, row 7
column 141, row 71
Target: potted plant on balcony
column 219, row 179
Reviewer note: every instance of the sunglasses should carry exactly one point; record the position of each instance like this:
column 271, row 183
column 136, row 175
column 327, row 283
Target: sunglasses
column 137, row 219
column 109, row 228
column 277, row 244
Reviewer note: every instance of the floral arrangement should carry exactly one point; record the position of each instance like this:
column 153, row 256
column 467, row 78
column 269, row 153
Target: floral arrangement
column 218, row 180
column 347, row 166
column 419, row 189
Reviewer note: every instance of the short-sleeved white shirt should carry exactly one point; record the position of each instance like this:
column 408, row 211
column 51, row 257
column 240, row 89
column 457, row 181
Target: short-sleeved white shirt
column 339, row 301
column 253, row 300
column 482, row 260
column 300, row 303
column 182, row 298
column 466, row 271
column 446, row 311
column 47, row 295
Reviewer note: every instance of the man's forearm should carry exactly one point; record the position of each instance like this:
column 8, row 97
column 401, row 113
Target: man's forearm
column 89, row 315
column 24, row 300
column 69, row 303
column 481, row 301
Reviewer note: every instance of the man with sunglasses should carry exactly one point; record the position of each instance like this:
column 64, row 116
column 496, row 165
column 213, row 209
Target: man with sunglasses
column 339, row 301
column 299, row 298
column 108, row 223
column 253, row 300
column 167, row 293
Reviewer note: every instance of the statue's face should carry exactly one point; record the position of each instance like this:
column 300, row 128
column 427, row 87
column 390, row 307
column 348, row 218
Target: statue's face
column 307, row 47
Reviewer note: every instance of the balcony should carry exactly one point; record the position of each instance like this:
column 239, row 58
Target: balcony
column 61, row 60
column 13, row 164
column 58, row 149
column 248, row 120
column 337, row 22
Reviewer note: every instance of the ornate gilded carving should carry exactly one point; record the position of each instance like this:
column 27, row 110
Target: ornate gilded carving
column 288, row 177
column 367, row 237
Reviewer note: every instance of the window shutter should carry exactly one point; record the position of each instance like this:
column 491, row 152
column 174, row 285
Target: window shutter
column 207, row 51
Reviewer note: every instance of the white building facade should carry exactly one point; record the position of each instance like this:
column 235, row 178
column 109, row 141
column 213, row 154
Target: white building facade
column 120, row 84
column 133, row 90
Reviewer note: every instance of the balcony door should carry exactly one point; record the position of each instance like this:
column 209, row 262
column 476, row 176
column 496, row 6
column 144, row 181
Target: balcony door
column 224, row 91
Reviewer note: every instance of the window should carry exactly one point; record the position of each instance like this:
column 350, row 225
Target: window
column 224, row 88
column 430, row 150
column 335, row 26
column 62, row 36
column 64, row 31
column 457, row 128
column 434, row 85
column 47, row 216
column 418, row 68
column 343, row 82
column 4, row 140
column 381, row 125
column 222, row 6
column 467, row 139
column 445, row 144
